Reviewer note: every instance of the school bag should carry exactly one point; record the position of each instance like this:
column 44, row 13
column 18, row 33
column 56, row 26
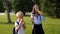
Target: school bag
column 15, row 31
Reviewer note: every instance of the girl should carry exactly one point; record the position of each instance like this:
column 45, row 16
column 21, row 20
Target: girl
column 21, row 26
column 36, row 18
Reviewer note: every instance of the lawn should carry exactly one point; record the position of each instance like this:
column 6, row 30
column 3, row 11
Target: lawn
column 50, row 26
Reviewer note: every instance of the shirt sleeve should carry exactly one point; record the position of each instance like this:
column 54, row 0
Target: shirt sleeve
column 31, row 15
column 42, row 18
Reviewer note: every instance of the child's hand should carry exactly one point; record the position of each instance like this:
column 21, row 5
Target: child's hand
column 39, row 12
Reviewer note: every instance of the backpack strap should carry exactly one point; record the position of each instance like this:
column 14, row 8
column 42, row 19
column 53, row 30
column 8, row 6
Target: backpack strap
column 17, row 22
column 14, row 32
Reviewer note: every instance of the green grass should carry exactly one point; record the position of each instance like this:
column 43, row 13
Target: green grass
column 50, row 26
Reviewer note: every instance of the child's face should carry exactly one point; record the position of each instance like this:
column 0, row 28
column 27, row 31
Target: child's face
column 20, row 15
column 36, row 8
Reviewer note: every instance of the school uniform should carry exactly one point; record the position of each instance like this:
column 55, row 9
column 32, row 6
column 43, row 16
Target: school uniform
column 21, row 30
column 37, row 29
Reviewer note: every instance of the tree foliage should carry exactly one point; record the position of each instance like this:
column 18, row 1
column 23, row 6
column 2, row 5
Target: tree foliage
column 24, row 5
column 1, row 6
column 51, row 7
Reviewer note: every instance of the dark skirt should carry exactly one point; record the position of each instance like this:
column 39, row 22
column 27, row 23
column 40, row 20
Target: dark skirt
column 37, row 29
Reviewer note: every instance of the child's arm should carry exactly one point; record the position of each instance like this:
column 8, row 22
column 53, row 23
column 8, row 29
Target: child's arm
column 32, row 18
column 39, row 12
column 17, row 27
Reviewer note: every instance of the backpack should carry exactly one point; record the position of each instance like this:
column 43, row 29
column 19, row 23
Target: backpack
column 15, row 32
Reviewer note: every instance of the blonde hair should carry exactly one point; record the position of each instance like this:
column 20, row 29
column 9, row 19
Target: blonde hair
column 18, row 13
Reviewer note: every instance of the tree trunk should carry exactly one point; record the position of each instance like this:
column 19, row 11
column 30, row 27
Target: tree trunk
column 8, row 10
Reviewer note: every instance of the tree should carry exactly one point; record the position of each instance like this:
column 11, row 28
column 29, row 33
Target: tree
column 57, row 9
column 52, row 7
column 1, row 6
column 24, row 5
column 8, row 10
